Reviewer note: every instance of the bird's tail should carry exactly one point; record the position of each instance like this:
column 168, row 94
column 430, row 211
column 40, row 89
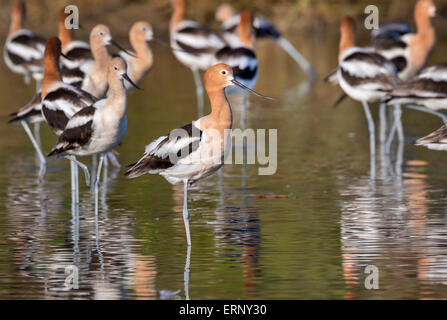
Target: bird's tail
column 135, row 170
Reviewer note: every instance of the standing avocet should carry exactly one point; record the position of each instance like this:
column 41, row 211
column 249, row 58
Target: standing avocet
column 196, row 150
column 100, row 127
column 410, row 52
column 91, row 76
column 141, row 62
column 60, row 101
column 23, row 51
column 230, row 19
column 363, row 75
column 428, row 89
column 193, row 45
column 242, row 57
column 77, row 52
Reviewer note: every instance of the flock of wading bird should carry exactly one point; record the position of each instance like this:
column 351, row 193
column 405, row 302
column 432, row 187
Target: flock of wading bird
column 81, row 89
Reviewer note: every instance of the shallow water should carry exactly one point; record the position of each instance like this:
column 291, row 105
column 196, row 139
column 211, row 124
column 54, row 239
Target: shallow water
column 313, row 241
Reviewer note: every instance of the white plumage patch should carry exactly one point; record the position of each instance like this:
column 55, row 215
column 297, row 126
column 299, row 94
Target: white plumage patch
column 435, row 146
column 362, row 69
column 199, row 41
column 78, row 121
column 26, row 52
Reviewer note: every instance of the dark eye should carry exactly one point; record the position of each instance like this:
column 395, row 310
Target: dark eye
column 224, row 72
column 144, row 28
column 116, row 68
column 101, row 33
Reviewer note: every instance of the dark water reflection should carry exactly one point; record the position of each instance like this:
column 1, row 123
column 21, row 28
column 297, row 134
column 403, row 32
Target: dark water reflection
column 313, row 241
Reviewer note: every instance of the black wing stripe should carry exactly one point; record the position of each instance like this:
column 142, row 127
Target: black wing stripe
column 151, row 162
column 387, row 81
column 56, row 119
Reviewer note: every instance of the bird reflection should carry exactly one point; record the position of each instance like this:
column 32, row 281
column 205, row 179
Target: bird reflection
column 237, row 231
column 387, row 225
column 49, row 235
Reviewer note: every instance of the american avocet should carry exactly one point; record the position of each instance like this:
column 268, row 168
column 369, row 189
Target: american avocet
column 23, row 51
column 196, row 150
column 98, row 128
column 230, row 19
column 363, row 75
column 141, row 63
column 193, row 45
column 91, row 76
column 31, row 112
column 242, row 57
column 78, row 52
column 428, row 89
column 410, row 52
column 436, row 140
column 60, row 101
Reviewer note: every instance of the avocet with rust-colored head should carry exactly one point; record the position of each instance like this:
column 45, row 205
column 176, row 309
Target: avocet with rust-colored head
column 197, row 150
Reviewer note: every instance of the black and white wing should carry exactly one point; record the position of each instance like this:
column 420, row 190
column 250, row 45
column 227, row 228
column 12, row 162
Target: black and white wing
column 242, row 60
column 160, row 153
column 428, row 86
column 390, row 31
column 24, row 52
column 60, row 104
column 196, row 39
column 74, row 77
column 367, row 70
column 77, row 132
column 264, row 29
column 31, row 112
column 394, row 51
column 436, row 140
column 78, row 53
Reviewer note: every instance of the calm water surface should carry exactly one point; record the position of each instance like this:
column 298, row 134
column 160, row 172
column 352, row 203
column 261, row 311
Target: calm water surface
column 313, row 242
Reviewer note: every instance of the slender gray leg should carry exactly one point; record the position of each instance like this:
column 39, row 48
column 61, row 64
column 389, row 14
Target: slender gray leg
column 187, row 271
column 244, row 111
column 398, row 120
column 397, row 127
column 382, row 139
column 106, row 166
column 37, row 133
column 185, row 211
column 383, row 124
column 83, row 167
column 113, row 160
column 298, row 57
column 199, row 91
column 372, row 143
column 98, row 176
column 426, row 110
column 76, row 177
column 94, row 165
column 390, row 139
column 43, row 161
column 73, row 187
